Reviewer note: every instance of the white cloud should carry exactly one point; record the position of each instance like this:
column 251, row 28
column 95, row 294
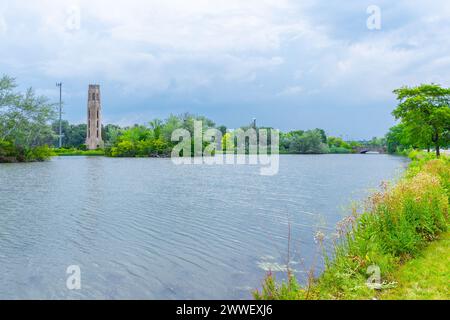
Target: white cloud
column 150, row 42
column 292, row 91
column 3, row 26
column 311, row 49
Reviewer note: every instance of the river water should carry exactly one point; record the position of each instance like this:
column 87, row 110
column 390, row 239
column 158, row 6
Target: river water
column 147, row 229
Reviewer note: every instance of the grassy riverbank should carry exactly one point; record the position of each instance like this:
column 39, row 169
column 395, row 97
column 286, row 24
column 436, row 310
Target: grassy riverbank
column 425, row 277
column 385, row 242
column 76, row 152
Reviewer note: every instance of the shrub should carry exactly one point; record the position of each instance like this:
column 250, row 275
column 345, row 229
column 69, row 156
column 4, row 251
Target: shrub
column 40, row 153
column 340, row 150
column 8, row 152
column 11, row 153
column 285, row 291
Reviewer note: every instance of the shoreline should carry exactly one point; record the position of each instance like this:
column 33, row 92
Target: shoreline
column 397, row 226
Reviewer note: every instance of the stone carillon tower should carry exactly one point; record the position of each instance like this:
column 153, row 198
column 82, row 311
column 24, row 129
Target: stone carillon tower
column 94, row 124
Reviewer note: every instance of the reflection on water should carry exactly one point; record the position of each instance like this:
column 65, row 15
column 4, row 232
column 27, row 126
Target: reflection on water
column 147, row 229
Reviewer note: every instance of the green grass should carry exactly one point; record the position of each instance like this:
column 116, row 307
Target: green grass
column 426, row 277
column 75, row 152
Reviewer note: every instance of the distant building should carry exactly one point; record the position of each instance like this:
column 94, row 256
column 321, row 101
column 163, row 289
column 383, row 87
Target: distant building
column 94, row 119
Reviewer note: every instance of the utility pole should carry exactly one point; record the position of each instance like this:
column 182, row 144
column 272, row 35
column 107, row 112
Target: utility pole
column 254, row 123
column 60, row 113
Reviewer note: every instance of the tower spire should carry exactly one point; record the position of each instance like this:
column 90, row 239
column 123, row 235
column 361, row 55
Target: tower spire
column 94, row 118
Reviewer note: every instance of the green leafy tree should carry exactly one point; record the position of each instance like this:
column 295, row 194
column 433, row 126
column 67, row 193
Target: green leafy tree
column 74, row 135
column 323, row 135
column 222, row 129
column 308, row 142
column 25, row 121
column 155, row 139
column 171, row 124
column 397, row 139
column 287, row 139
column 425, row 112
column 156, row 126
column 338, row 145
column 111, row 134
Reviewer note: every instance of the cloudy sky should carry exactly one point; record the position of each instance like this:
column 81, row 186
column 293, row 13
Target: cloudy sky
column 290, row 64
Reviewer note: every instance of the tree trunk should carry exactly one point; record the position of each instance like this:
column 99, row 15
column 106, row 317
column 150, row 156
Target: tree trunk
column 436, row 142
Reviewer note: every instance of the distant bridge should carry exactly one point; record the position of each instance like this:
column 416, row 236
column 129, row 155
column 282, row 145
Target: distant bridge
column 364, row 150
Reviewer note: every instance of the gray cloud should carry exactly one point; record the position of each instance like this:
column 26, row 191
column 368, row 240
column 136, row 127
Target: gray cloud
column 315, row 60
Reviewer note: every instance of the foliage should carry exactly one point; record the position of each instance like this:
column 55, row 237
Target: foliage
column 396, row 224
column 305, row 142
column 154, row 139
column 338, row 145
column 24, row 124
column 39, row 153
column 424, row 112
column 376, row 142
column 74, row 135
column 398, row 139
column 111, row 133
column 8, row 153
column 340, row 150
column 271, row 290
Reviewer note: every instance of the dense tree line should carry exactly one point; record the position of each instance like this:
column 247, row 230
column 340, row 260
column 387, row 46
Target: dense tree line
column 28, row 126
column 154, row 138
column 74, row 135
